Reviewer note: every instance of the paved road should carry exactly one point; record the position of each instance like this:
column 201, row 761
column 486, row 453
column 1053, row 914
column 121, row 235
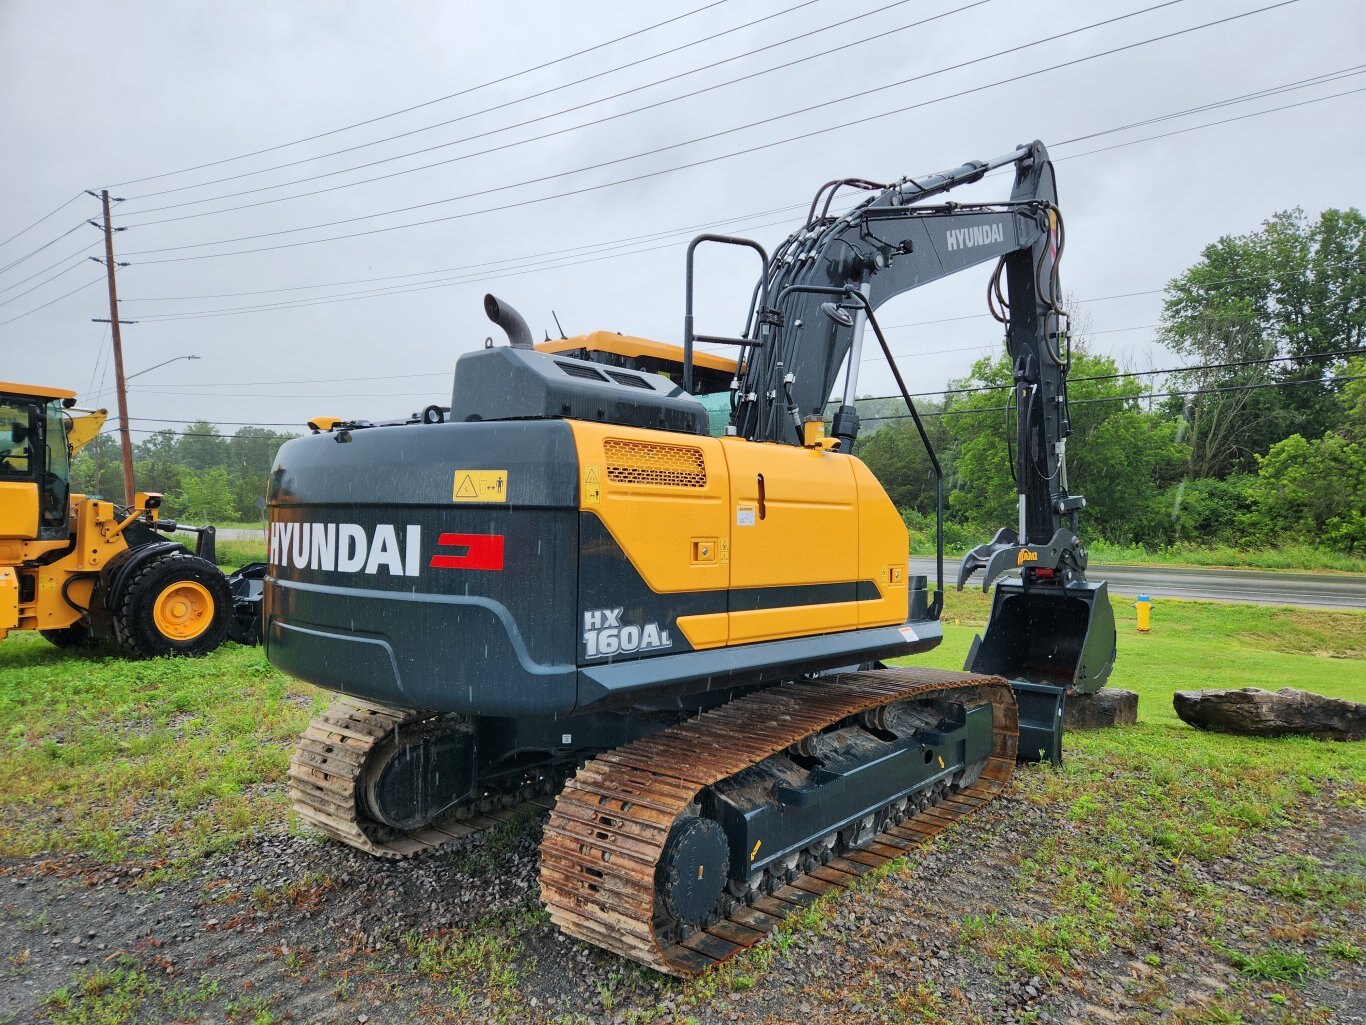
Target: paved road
column 1262, row 587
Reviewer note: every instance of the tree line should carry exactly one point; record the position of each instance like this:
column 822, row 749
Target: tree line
column 203, row 475
column 1264, row 446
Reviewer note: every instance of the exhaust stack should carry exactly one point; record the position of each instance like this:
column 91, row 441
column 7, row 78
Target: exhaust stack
column 519, row 335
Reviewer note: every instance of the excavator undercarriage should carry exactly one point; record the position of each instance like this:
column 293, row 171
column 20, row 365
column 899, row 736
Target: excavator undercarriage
column 687, row 845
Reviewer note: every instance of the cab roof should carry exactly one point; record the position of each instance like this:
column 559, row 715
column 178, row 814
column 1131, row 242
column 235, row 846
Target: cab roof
column 36, row 391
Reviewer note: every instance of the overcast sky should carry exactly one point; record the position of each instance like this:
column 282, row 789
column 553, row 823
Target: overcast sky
column 99, row 94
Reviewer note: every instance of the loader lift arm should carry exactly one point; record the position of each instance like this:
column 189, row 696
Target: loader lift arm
column 1051, row 632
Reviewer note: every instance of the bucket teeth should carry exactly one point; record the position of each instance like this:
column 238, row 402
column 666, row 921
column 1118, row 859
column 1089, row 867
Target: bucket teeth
column 607, row 832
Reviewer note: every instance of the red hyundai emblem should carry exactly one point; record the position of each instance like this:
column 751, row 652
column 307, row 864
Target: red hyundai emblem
column 482, row 551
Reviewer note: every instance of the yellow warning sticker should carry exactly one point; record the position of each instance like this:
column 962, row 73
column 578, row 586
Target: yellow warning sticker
column 480, row 486
column 724, row 550
column 592, row 487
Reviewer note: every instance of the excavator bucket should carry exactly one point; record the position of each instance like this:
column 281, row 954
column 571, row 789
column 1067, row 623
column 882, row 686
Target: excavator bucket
column 1049, row 641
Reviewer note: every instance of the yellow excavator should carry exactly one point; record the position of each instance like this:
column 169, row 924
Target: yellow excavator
column 80, row 569
column 572, row 588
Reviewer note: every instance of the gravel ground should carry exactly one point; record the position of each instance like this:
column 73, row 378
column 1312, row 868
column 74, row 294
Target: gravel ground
column 296, row 929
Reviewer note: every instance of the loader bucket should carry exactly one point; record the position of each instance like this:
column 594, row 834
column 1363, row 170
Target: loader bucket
column 1049, row 642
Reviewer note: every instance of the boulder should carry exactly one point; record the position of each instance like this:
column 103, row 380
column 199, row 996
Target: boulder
column 1265, row 713
column 1106, row 707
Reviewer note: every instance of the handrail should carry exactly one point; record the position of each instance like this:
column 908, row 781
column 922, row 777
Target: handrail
column 688, row 336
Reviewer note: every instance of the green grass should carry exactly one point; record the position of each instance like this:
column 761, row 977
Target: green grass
column 481, row 960
column 96, row 748
column 1287, row 557
column 1274, row 964
column 232, row 554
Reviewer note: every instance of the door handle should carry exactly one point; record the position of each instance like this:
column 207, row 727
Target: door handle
column 763, row 501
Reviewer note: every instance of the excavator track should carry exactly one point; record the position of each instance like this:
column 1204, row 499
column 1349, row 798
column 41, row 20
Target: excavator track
column 605, row 837
column 326, row 776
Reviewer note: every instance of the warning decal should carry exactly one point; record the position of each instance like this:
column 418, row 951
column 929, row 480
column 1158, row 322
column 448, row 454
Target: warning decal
column 480, row 486
column 592, row 487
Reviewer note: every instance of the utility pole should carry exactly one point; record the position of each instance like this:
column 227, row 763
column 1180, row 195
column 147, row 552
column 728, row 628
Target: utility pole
column 125, row 442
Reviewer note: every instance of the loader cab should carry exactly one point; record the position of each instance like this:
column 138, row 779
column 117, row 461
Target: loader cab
column 35, row 464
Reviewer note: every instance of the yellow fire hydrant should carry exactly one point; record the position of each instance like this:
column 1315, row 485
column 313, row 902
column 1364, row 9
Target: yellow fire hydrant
column 1144, row 607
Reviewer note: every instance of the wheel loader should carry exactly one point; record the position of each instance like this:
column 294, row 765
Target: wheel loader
column 562, row 591
column 80, row 569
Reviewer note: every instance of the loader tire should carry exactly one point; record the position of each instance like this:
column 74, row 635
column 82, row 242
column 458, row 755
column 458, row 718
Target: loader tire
column 175, row 604
column 67, row 637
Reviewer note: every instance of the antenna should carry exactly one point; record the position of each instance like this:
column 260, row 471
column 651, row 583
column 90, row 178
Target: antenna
column 557, row 324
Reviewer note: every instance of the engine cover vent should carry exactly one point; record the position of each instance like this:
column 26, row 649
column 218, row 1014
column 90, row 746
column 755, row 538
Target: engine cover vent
column 581, row 370
column 639, row 462
column 630, row 380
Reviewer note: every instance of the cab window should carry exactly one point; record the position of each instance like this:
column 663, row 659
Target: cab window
column 57, row 478
column 16, row 440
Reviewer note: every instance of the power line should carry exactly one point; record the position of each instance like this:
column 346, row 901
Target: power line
column 534, row 267
column 1214, row 124
column 555, row 266
column 1304, row 83
column 59, row 298
column 606, row 244
column 428, row 103
column 68, row 256
column 1321, row 79
column 805, row 136
column 602, row 246
column 420, row 286
column 34, row 288
column 40, row 220
column 787, row 65
column 34, row 252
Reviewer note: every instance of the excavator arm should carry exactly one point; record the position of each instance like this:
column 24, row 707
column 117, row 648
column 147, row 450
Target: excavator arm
column 1051, row 632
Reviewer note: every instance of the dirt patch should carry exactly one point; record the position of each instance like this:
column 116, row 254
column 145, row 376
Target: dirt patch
column 290, row 929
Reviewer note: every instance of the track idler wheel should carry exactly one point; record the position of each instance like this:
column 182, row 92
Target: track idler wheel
column 419, row 771
column 692, row 871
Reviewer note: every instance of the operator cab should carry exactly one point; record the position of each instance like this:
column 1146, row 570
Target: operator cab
column 35, row 462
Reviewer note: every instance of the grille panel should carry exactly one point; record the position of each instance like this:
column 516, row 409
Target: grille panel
column 638, row 462
column 629, row 379
column 575, row 370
